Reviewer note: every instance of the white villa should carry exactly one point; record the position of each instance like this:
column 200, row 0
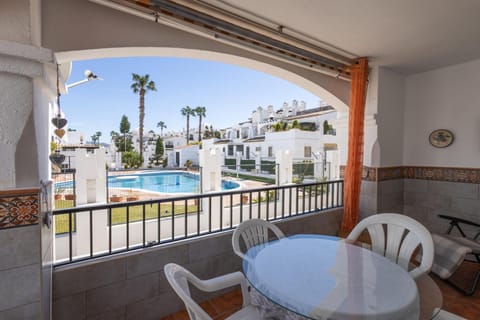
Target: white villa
column 269, row 130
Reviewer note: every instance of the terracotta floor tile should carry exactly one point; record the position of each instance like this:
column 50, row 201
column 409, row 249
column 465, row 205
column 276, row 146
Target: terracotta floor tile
column 210, row 308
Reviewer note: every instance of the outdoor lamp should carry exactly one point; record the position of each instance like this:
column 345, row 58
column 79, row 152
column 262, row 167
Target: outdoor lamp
column 89, row 75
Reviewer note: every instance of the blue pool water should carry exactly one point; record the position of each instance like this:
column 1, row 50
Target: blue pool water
column 169, row 182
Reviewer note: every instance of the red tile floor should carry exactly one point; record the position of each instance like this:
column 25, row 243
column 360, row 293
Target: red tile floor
column 468, row 307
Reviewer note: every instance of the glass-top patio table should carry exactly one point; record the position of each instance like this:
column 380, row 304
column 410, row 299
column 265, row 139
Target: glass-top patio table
column 323, row 277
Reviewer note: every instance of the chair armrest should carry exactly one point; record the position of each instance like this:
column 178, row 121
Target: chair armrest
column 224, row 281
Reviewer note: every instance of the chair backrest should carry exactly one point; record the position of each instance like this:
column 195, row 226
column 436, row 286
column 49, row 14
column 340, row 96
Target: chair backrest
column 252, row 233
column 179, row 277
column 397, row 236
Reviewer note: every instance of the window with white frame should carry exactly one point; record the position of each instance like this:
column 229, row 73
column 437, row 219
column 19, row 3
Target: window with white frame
column 307, row 151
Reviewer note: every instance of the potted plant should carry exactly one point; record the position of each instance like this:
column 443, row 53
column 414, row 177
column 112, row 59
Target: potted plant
column 58, row 192
column 188, row 164
column 115, row 198
column 69, row 196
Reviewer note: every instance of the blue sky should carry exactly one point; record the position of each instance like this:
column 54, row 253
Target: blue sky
column 228, row 92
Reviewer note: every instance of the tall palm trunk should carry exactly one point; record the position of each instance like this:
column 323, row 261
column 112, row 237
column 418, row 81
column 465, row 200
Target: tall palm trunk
column 199, row 127
column 141, row 108
column 188, row 128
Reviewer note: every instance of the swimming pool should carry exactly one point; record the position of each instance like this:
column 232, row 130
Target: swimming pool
column 165, row 182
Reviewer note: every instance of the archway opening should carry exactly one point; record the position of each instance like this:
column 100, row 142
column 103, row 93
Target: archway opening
column 227, row 87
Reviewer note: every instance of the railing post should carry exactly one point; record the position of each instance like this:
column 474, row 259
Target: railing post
column 200, row 173
column 74, row 188
column 277, row 174
column 106, row 186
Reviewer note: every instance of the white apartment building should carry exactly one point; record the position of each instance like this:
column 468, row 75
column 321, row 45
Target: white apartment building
column 260, row 137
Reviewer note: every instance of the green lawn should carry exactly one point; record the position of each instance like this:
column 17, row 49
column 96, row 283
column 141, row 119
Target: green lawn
column 249, row 177
column 119, row 215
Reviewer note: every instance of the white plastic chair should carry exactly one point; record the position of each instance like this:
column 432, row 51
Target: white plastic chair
column 397, row 236
column 179, row 278
column 253, row 233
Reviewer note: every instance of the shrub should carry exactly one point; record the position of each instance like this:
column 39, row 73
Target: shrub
column 247, row 164
column 132, row 159
column 308, row 126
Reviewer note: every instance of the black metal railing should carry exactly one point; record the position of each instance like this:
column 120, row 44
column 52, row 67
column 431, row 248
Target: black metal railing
column 64, row 186
column 88, row 232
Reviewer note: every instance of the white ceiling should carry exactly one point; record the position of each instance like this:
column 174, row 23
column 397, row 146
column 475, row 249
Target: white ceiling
column 409, row 36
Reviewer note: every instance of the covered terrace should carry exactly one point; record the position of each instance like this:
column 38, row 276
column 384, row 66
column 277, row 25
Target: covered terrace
column 423, row 74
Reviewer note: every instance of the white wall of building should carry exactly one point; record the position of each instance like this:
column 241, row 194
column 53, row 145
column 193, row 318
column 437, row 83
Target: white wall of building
column 185, row 153
column 90, row 178
column 294, row 140
column 445, row 98
column 74, row 137
column 175, row 140
column 189, row 153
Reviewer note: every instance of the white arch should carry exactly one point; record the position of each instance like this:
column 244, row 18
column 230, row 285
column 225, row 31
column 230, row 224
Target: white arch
column 328, row 97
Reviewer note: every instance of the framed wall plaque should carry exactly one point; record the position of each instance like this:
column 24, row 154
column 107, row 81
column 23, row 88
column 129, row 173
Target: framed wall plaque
column 440, row 138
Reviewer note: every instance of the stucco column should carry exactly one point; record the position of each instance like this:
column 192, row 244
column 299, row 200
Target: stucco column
column 20, row 66
column 16, row 107
column 27, row 91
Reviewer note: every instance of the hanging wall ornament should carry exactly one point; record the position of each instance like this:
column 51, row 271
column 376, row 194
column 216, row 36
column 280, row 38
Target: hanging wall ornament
column 59, row 122
column 59, row 133
column 57, row 158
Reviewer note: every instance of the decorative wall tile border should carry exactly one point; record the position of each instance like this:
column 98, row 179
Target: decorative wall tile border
column 390, row 173
column 19, row 208
column 368, row 173
column 465, row 175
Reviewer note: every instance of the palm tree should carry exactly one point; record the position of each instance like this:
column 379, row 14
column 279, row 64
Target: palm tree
column 98, row 134
column 141, row 85
column 162, row 126
column 187, row 112
column 200, row 112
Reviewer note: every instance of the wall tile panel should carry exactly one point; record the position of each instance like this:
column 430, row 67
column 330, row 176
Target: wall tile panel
column 89, row 276
column 116, row 295
column 70, row 307
column 153, row 260
column 19, row 286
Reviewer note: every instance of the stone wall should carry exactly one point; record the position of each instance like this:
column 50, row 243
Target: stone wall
column 133, row 285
